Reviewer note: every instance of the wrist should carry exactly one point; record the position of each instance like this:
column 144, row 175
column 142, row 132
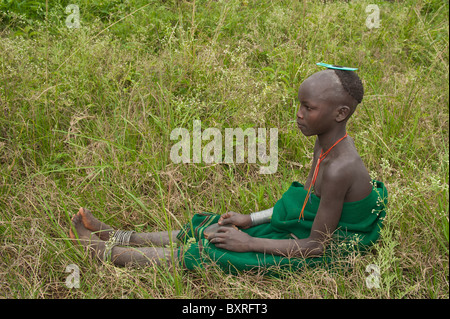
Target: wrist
column 248, row 221
column 254, row 245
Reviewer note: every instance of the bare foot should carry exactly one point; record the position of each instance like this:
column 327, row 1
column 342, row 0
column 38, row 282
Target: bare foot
column 93, row 224
column 86, row 238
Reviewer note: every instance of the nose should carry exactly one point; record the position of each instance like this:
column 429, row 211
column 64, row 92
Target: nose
column 300, row 113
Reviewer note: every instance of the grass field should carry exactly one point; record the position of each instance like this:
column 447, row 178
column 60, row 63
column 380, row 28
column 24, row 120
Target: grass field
column 86, row 115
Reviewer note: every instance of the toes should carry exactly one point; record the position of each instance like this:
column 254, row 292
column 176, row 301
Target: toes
column 76, row 219
column 88, row 219
column 84, row 212
column 72, row 234
column 75, row 222
column 72, row 231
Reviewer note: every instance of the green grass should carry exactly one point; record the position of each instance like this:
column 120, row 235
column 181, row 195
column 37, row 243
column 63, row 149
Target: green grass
column 86, row 116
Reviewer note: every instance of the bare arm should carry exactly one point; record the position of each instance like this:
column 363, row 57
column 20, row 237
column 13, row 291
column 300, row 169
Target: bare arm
column 287, row 247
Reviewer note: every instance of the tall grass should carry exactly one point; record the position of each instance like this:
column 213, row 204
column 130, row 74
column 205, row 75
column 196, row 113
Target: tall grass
column 86, row 116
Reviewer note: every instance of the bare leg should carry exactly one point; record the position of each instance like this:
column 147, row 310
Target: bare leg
column 162, row 238
column 104, row 231
column 142, row 256
column 120, row 256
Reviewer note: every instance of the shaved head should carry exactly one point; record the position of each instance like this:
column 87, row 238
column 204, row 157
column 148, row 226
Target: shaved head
column 326, row 86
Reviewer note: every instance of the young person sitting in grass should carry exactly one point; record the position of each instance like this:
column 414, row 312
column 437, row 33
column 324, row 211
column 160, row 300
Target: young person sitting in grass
column 339, row 203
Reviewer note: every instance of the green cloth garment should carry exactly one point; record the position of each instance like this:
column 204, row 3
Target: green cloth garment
column 358, row 229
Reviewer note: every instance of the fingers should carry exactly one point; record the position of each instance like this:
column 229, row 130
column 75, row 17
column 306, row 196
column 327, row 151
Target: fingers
column 226, row 218
column 220, row 231
column 220, row 235
column 224, row 229
column 224, row 221
column 215, row 238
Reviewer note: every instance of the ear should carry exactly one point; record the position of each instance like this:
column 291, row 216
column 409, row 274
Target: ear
column 343, row 112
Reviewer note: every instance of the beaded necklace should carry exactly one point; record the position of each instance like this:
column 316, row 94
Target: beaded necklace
column 316, row 172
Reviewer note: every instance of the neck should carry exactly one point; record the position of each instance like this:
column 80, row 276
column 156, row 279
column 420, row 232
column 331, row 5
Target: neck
column 326, row 140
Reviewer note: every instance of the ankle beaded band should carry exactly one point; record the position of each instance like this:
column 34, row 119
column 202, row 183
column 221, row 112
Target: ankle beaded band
column 121, row 238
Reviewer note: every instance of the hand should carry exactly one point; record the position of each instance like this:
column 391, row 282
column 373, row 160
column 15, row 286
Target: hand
column 239, row 220
column 231, row 239
column 213, row 228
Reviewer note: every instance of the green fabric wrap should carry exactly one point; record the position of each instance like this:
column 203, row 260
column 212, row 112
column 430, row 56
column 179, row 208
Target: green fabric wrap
column 358, row 229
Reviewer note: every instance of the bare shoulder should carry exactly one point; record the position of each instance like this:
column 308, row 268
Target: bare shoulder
column 339, row 172
column 348, row 170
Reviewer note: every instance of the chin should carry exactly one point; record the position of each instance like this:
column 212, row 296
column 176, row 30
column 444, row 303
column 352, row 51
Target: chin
column 305, row 131
column 309, row 134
